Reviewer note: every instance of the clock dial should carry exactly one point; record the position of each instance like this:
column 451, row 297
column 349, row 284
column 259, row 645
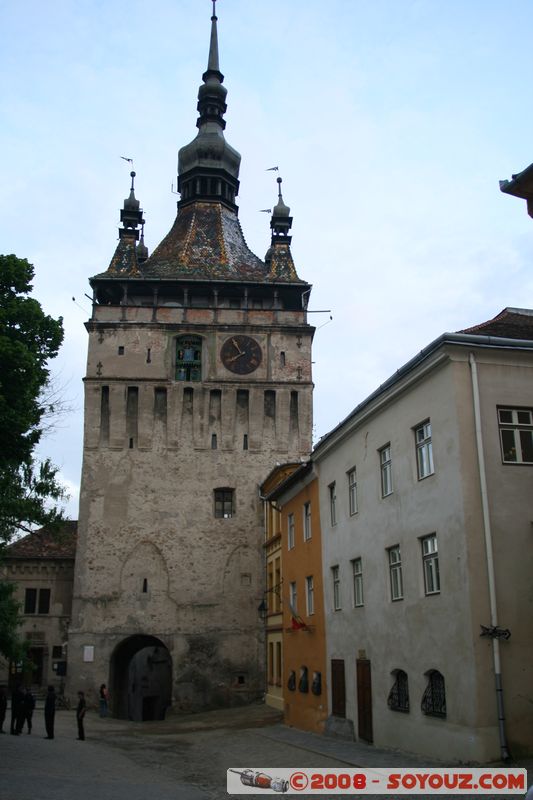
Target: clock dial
column 241, row 354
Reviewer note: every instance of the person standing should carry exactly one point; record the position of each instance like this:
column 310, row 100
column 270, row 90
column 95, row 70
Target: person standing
column 3, row 708
column 17, row 711
column 80, row 714
column 104, row 700
column 50, row 712
column 28, row 705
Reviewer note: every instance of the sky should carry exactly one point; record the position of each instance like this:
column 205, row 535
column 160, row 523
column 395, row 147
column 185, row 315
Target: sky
column 391, row 121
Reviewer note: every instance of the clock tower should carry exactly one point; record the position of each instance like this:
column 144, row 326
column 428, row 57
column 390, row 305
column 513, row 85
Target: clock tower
column 198, row 382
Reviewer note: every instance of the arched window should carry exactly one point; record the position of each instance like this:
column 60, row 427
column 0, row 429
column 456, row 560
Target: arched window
column 188, row 358
column 398, row 699
column 303, row 684
column 434, row 698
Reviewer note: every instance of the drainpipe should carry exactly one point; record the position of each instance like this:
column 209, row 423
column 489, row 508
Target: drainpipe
column 490, row 560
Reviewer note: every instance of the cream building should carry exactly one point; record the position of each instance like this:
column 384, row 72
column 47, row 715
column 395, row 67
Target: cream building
column 41, row 565
column 426, row 513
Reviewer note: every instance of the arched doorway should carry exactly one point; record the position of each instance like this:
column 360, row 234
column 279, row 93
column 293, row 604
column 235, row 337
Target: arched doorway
column 141, row 679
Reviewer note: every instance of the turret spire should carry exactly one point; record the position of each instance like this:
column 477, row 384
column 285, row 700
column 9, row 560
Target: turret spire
column 212, row 62
column 208, row 167
column 124, row 261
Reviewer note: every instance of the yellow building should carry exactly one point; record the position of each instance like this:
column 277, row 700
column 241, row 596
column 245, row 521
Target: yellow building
column 303, row 632
column 271, row 609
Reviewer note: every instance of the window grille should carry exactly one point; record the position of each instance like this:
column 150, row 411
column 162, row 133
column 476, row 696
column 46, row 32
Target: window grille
column 434, row 698
column 398, row 699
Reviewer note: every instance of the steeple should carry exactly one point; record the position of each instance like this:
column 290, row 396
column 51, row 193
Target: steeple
column 278, row 257
column 124, row 261
column 281, row 220
column 208, row 167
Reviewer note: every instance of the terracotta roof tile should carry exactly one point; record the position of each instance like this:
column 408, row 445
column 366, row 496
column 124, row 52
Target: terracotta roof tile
column 44, row 544
column 511, row 323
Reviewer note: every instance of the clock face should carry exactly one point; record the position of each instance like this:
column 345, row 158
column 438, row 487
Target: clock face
column 241, row 354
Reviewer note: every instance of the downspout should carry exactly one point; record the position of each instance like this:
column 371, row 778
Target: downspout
column 490, row 559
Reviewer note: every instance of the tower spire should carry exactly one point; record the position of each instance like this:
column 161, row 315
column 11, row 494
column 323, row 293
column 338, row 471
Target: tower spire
column 208, row 167
column 212, row 61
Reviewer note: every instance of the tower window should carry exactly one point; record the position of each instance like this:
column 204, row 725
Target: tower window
column 121, row 350
column 213, row 441
column 224, row 503
column 188, row 358
column 145, row 585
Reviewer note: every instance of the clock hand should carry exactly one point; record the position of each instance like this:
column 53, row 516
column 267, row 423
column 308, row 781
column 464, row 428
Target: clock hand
column 235, row 357
column 236, row 346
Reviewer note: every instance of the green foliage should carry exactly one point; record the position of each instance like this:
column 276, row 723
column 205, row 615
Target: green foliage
column 29, row 338
column 10, row 645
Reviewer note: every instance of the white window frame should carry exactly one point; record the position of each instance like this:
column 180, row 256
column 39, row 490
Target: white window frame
column 424, row 450
column 290, row 531
column 335, row 576
column 395, row 572
column 352, row 491
column 332, row 503
column 310, row 595
column 517, row 433
column 293, row 596
column 385, row 462
column 430, row 563
column 357, row 571
column 307, row 521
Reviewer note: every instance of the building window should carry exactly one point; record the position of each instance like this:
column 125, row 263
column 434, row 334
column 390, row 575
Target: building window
column 395, row 569
column 310, row 595
column 37, row 601
column 336, row 588
column 516, row 435
column 352, row 491
column 290, row 531
column 332, row 504
column 278, row 663
column 291, row 682
column 357, row 565
column 430, row 562
column 424, row 450
column 224, row 503
column 307, row 521
column 188, row 358
column 398, row 699
column 303, row 683
column 434, row 698
column 386, row 470
column 293, row 597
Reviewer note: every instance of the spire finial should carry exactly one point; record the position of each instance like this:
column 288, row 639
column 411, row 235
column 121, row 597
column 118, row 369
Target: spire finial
column 212, row 61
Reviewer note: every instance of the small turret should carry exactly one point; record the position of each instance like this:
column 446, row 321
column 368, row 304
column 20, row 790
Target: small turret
column 128, row 255
column 278, row 257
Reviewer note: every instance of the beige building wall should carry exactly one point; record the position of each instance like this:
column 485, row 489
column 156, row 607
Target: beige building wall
column 439, row 631
column 153, row 560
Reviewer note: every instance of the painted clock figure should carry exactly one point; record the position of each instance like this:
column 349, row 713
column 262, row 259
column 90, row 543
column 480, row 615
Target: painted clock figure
column 241, row 354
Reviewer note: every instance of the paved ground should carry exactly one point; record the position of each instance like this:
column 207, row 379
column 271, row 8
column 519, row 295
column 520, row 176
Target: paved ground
column 182, row 758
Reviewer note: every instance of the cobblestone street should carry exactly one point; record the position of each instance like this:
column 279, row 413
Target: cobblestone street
column 183, row 758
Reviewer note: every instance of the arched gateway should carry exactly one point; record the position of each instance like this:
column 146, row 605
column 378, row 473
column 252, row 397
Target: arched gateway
column 141, row 679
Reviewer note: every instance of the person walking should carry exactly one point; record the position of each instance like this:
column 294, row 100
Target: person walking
column 104, row 700
column 17, row 711
column 80, row 714
column 50, row 712
column 3, row 708
column 28, row 705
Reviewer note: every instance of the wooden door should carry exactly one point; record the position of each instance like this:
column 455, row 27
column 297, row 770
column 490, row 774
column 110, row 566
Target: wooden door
column 338, row 688
column 364, row 700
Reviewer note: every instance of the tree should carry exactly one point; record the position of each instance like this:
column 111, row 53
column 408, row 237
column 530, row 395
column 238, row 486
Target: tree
column 29, row 338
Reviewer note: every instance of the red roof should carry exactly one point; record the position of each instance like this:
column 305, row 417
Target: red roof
column 511, row 323
column 46, row 544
